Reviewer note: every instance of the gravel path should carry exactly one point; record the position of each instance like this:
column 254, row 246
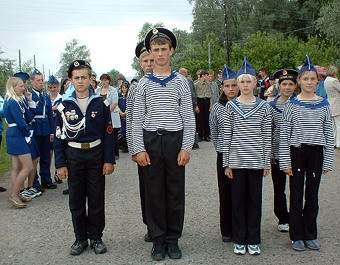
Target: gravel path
column 42, row 233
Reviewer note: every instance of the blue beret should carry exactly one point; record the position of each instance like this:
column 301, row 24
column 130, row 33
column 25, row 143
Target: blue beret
column 246, row 68
column 156, row 33
column 308, row 66
column 228, row 73
column 36, row 72
column 76, row 64
column 53, row 80
column 24, row 76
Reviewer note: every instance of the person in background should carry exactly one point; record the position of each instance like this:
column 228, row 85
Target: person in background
column 84, row 153
column 272, row 91
column 18, row 137
column 108, row 92
column 263, row 82
column 230, row 91
column 43, row 127
column 332, row 86
column 64, row 86
column 163, row 130
column 219, row 79
column 306, row 152
column 287, row 85
column 320, row 89
column 204, row 103
column 184, row 72
column 246, row 159
column 2, row 115
column 53, row 89
column 214, row 87
column 122, row 113
column 147, row 64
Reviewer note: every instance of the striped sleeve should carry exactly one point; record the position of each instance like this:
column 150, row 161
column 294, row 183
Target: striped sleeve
column 216, row 122
column 329, row 147
column 285, row 125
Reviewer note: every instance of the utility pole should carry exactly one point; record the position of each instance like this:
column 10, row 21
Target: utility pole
column 19, row 61
column 209, row 56
column 226, row 34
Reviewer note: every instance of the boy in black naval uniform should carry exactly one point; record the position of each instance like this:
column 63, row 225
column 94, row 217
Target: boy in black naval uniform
column 163, row 130
column 84, row 153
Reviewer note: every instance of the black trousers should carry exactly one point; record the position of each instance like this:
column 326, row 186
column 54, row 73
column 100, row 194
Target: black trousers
column 280, row 198
column 141, row 192
column 164, row 187
column 307, row 169
column 86, row 182
column 246, row 190
column 203, row 128
column 224, row 188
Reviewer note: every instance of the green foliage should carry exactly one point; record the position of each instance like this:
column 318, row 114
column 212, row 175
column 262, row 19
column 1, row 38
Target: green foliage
column 6, row 71
column 327, row 23
column 73, row 51
column 5, row 159
column 114, row 74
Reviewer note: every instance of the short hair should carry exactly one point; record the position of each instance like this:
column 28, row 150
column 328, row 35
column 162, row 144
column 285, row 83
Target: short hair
column 105, row 76
column 240, row 77
column 120, row 77
column 211, row 72
column 161, row 41
column 332, row 70
column 264, row 69
column 12, row 82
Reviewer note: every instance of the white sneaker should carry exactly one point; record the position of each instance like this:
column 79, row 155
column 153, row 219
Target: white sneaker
column 239, row 249
column 33, row 192
column 283, row 227
column 254, row 250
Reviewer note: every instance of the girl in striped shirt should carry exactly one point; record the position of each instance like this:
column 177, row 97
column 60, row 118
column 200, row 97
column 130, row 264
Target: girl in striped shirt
column 246, row 158
column 230, row 91
column 306, row 152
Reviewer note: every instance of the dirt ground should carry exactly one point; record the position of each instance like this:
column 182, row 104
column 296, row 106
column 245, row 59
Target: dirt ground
column 42, row 233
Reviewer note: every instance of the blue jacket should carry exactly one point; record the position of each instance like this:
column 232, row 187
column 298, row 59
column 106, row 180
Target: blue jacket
column 42, row 126
column 97, row 125
column 17, row 113
column 2, row 115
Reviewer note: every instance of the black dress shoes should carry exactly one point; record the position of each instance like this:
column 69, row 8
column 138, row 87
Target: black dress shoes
column 147, row 238
column 2, row 189
column 78, row 247
column 174, row 251
column 98, row 246
column 50, row 186
column 158, row 252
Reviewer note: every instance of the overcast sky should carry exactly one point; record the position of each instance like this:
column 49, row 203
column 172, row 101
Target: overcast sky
column 108, row 28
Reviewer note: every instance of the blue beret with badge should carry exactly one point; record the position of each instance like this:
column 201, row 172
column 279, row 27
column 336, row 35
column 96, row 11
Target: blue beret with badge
column 228, row 73
column 246, row 68
column 53, row 80
column 308, row 66
column 78, row 64
column 156, row 33
column 24, row 76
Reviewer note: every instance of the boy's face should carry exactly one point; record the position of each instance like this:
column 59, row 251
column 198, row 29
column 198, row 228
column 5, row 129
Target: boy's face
column 81, row 79
column 161, row 54
column 38, row 82
column 147, row 62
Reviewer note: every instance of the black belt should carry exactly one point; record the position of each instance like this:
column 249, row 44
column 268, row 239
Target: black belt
column 163, row 132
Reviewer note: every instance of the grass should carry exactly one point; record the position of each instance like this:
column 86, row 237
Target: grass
column 5, row 159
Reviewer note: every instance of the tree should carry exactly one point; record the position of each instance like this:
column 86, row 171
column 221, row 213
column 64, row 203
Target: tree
column 327, row 23
column 114, row 75
column 73, row 51
column 6, row 71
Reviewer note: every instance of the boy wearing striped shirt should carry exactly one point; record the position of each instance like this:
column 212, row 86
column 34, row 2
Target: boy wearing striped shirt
column 163, row 129
column 246, row 158
column 287, row 86
column 306, row 152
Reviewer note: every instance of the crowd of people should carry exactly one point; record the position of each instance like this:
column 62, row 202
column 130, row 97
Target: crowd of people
column 258, row 124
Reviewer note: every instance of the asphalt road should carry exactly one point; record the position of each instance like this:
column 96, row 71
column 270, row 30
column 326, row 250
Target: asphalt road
column 42, row 233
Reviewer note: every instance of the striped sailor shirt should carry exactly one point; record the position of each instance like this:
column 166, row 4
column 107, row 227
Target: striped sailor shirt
column 216, row 122
column 247, row 135
column 276, row 106
column 163, row 103
column 306, row 122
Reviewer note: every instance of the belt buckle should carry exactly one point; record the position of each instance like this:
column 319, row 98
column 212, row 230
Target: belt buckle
column 85, row 145
column 160, row 131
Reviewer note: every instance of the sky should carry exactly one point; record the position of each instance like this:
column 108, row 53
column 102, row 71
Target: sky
column 108, row 28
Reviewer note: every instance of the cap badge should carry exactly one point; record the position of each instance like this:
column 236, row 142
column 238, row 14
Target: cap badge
column 76, row 64
column 154, row 31
column 284, row 72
